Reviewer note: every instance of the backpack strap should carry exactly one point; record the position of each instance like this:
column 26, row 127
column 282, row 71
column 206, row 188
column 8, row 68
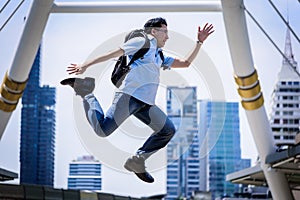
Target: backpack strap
column 161, row 56
column 141, row 52
column 163, row 60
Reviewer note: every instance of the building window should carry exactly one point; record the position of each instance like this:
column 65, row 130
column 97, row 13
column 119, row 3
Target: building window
column 276, row 121
column 276, row 129
column 277, row 137
column 287, row 112
column 285, row 137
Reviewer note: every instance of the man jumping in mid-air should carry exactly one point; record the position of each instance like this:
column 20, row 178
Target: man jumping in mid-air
column 136, row 95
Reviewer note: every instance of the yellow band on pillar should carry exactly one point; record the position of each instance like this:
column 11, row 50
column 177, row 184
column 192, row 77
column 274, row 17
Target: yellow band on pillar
column 8, row 95
column 7, row 107
column 11, row 91
column 246, row 80
column 253, row 104
column 250, row 92
column 14, row 85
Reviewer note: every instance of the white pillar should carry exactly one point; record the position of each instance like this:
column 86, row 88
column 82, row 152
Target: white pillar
column 15, row 80
column 250, row 92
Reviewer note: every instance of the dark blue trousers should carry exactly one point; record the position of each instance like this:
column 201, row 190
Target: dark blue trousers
column 124, row 106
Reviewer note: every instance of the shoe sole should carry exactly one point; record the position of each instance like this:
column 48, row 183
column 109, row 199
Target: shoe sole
column 140, row 176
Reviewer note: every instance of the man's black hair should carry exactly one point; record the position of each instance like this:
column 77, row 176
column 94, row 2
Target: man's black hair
column 155, row 22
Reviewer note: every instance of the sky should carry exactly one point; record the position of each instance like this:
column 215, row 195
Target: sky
column 74, row 38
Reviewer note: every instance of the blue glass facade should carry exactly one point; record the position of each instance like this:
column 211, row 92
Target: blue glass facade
column 183, row 150
column 221, row 153
column 37, row 130
column 85, row 174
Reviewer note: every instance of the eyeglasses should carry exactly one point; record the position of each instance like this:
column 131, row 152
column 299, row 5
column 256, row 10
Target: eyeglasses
column 162, row 30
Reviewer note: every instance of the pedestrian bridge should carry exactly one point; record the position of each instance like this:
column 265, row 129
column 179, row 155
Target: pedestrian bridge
column 246, row 78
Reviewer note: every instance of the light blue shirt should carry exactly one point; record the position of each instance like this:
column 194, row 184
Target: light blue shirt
column 142, row 81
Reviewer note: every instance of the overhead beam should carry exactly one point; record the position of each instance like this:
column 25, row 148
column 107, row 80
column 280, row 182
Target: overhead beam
column 136, row 6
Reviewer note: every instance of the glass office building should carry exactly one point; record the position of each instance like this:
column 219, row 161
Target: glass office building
column 220, row 150
column 37, row 130
column 183, row 150
column 85, row 174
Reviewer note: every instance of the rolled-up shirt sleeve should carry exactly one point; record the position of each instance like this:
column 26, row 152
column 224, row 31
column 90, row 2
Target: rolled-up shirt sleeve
column 168, row 61
column 133, row 45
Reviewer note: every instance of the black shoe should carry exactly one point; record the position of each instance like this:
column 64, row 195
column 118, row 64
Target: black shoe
column 137, row 165
column 81, row 86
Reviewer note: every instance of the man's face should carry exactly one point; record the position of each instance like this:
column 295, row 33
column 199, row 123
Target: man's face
column 161, row 35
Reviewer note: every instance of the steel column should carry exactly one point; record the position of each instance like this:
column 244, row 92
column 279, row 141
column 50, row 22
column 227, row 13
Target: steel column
column 250, row 92
column 15, row 79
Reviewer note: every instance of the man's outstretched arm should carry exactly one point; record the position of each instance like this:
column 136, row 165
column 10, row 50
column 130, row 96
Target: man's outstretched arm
column 202, row 36
column 80, row 68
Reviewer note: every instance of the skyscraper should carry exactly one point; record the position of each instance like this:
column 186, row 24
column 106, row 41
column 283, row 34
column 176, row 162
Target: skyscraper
column 37, row 130
column 183, row 149
column 220, row 150
column 85, row 174
column 285, row 114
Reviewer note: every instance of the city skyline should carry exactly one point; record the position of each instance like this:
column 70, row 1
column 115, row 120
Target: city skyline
column 56, row 56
